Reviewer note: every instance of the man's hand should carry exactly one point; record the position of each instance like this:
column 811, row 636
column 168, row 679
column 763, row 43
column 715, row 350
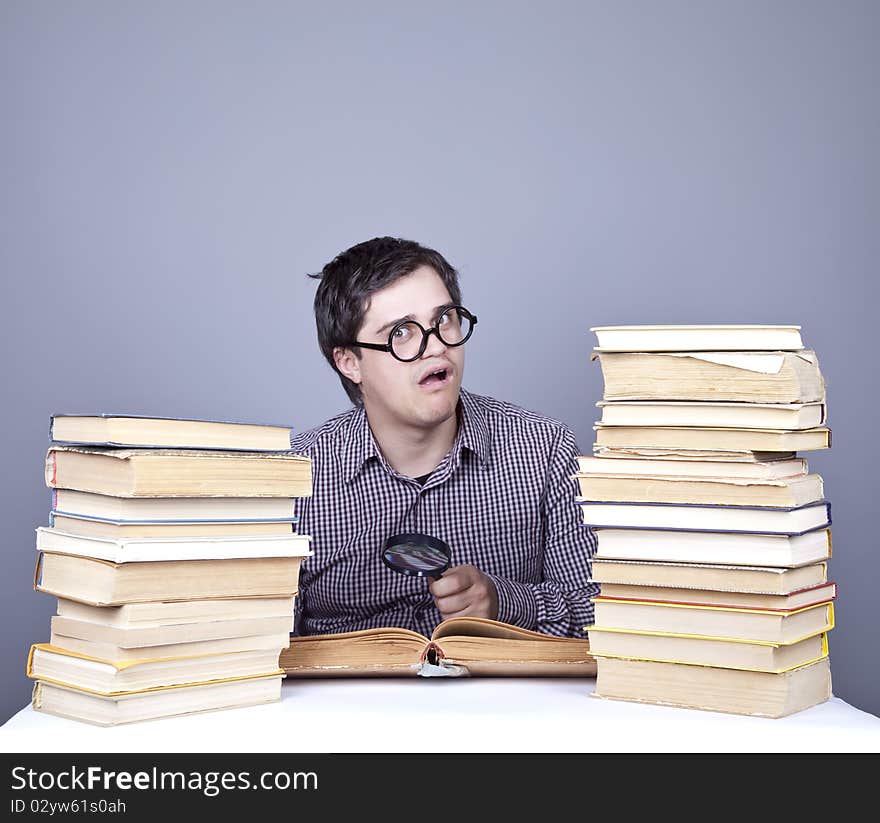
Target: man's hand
column 464, row 591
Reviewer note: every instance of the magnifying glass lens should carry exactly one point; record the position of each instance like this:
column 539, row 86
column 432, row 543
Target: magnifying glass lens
column 417, row 555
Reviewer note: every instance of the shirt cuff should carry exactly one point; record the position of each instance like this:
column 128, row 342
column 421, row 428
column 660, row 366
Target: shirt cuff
column 516, row 603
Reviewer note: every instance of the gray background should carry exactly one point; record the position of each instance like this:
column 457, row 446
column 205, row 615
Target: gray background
column 171, row 171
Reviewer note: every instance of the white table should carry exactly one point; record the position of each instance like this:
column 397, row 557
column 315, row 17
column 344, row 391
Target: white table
column 453, row 715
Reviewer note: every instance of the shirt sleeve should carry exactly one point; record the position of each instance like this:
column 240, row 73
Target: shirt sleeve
column 561, row 603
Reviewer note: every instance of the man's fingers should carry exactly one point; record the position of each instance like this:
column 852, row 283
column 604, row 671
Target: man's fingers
column 454, row 603
column 468, row 612
column 450, row 583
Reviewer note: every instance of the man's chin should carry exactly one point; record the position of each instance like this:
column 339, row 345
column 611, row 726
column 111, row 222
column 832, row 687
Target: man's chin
column 438, row 407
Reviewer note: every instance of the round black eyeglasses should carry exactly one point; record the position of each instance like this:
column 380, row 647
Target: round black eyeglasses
column 408, row 339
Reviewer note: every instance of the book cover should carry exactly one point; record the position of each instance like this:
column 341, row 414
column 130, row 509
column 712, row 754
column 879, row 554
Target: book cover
column 137, row 430
column 707, row 517
column 151, row 550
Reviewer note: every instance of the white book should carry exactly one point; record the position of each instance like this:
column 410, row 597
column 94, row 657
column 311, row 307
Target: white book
column 148, row 549
column 705, row 517
column 712, row 337
column 171, row 509
column 789, row 416
column 705, row 548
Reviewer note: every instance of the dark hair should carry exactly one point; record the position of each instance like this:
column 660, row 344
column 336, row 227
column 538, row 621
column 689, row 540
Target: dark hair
column 351, row 278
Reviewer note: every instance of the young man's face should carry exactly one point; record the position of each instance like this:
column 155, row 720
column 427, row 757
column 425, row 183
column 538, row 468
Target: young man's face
column 409, row 393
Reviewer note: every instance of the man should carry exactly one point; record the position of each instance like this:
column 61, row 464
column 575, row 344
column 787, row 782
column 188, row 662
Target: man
column 418, row 453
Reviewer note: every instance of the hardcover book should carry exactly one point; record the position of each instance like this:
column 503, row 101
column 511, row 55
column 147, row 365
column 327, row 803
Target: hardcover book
column 711, row 688
column 73, row 503
column 775, row 626
column 125, row 529
column 149, row 704
column 101, row 583
column 707, row 337
column 154, row 549
column 108, row 650
column 770, row 580
column 178, row 472
column 750, row 377
column 694, row 438
column 108, row 677
column 459, row 646
column 788, row 520
column 626, row 463
column 789, row 492
column 708, row 651
column 712, row 415
column 737, row 549
column 167, row 432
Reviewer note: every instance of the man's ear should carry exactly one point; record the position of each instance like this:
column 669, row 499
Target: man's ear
column 348, row 364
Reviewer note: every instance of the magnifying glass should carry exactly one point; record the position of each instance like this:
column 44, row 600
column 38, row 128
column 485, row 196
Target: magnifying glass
column 418, row 555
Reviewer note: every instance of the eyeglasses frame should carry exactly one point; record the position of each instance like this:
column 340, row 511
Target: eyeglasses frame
column 435, row 329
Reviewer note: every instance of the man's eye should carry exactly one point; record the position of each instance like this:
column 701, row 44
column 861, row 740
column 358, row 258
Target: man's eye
column 443, row 319
column 401, row 333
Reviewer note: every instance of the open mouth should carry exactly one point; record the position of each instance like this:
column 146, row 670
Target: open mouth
column 438, row 377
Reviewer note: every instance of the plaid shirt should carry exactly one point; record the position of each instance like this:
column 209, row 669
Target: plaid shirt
column 503, row 499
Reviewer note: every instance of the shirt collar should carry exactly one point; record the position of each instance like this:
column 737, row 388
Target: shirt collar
column 474, row 427
column 361, row 446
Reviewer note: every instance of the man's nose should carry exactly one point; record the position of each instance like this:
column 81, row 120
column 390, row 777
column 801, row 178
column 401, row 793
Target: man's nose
column 434, row 346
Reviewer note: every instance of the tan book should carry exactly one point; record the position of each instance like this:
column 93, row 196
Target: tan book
column 106, row 650
column 704, row 620
column 167, row 432
column 778, row 550
column 641, row 467
column 797, row 599
column 705, row 414
column 155, row 614
column 458, row 646
column 134, row 637
column 759, row 694
column 108, row 677
column 712, row 455
column 772, row 580
column 119, row 530
column 706, row 337
column 75, row 503
column 102, row 583
column 750, row 377
column 178, row 472
column 795, row 491
column 168, row 701
column 702, row 651
column 725, row 440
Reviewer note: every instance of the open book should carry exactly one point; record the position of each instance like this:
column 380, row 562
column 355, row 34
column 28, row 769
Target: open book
column 459, row 646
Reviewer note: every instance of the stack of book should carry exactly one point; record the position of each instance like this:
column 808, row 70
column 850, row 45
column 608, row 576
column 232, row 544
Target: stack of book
column 173, row 553
column 713, row 534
